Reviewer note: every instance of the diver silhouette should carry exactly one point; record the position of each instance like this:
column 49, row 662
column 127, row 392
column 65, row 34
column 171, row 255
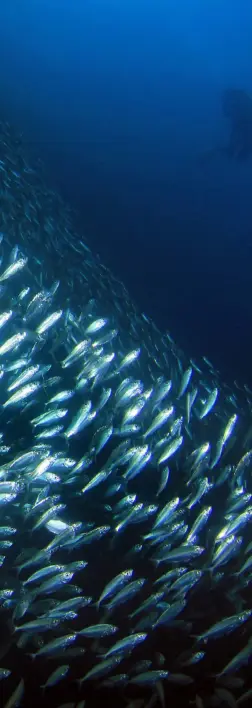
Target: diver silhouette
column 237, row 107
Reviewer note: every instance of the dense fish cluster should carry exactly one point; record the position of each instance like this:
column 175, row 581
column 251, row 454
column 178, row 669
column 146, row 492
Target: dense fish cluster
column 125, row 484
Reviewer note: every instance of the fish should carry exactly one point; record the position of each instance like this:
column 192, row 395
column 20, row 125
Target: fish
column 40, row 625
column 159, row 421
column 97, row 479
column 186, row 581
column 185, row 381
column 98, row 630
column 53, row 583
column 170, row 612
column 150, row 602
column 12, row 343
column 17, row 695
column 101, row 669
column 187, row 660
column 5, row 317
column 199, row 523
column 165, row 474
column 51, row 416
column 78, row 351
column 56, row 676
column 44, row 572
column 116, row 680
column 22, row 394
column 126, row 593
column 126, row 644
column 55, row 644
column 95, row 402
column 73, row 603
column 166, row 513
column 209, row 404
column 80, row 419
column 238, row 660
column 170, row 575
column 171, row 449
column 226, row 625
column 149, row 678
column 49, row 322
column 100, row 438
column 185, row 552
column 226, row 550
column 113, row 586
column 96, row 326
column 16, row 266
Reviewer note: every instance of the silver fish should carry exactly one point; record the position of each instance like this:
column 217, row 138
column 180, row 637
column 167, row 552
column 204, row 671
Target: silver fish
column 12, row 343
column 101, row 669
column 159, row 421
column 185, row 381
column 79, row 420
column 56, row 676
column 209, row 403
column 167, row 512
column 98, row 630
column 149, row 678
column 225, row 626
column 171, row 449
column 126, row 644
column 49, row 322
column 112, row 587
column 14, row 268
column 22, row 394
column 55, row 644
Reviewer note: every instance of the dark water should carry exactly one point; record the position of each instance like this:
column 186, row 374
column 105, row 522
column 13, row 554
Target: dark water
column 120, row 100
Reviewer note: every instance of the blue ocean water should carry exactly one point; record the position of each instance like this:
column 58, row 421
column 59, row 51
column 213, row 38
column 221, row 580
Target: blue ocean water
column 120, row 100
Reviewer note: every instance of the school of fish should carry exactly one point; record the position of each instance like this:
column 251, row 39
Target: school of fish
column 125, row 482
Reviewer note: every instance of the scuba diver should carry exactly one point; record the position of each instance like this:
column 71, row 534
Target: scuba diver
column 237, row 107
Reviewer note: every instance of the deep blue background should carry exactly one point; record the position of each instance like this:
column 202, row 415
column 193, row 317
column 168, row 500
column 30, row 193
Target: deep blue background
column 120, row 98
